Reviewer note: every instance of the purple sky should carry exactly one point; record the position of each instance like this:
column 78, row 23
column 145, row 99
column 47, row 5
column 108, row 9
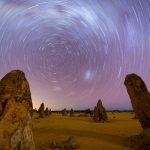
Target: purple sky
column 75, row 52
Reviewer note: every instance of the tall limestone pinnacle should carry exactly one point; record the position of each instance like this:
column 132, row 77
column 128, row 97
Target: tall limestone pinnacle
column 15, row 116
column 140, row 98
column 14, row 84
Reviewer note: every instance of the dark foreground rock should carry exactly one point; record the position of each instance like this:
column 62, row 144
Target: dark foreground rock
column 69, row 144
column 141, row 141
column 15, row 112
column 140, row 100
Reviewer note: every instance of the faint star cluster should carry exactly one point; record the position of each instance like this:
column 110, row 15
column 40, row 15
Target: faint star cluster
column 76, row 52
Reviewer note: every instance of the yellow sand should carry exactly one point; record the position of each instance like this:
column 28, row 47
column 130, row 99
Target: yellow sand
column 90, row 135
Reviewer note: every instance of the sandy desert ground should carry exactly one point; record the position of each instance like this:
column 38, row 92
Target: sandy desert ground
column 90, row 135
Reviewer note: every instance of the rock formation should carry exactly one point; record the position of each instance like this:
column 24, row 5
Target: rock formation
column 69, row 144
column 41, row 111
column 46, row 112
column 100, row 114
column 71, row 113
column 140, row 99
column 15, row 116
column 141, row 141
column 64, row 112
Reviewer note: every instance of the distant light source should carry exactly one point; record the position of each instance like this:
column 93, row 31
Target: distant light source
column 88, row 75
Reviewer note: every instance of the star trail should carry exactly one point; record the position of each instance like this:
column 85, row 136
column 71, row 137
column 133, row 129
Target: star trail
column 75, row 52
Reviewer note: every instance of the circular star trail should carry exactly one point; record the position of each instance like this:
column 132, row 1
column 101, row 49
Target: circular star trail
column 76, row 52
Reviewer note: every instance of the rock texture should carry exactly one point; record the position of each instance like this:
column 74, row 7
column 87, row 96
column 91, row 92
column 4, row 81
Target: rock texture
column 140, row 98
column 100, row 114
column 141, row 141
column 41, row 111
column 14, row 84
column 69, row 144
column 15, row 116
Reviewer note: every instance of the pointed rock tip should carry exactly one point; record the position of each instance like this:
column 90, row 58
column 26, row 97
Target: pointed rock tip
column 131, row 78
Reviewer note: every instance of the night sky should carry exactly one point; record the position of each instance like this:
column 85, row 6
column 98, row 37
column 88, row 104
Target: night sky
column 75, row 52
